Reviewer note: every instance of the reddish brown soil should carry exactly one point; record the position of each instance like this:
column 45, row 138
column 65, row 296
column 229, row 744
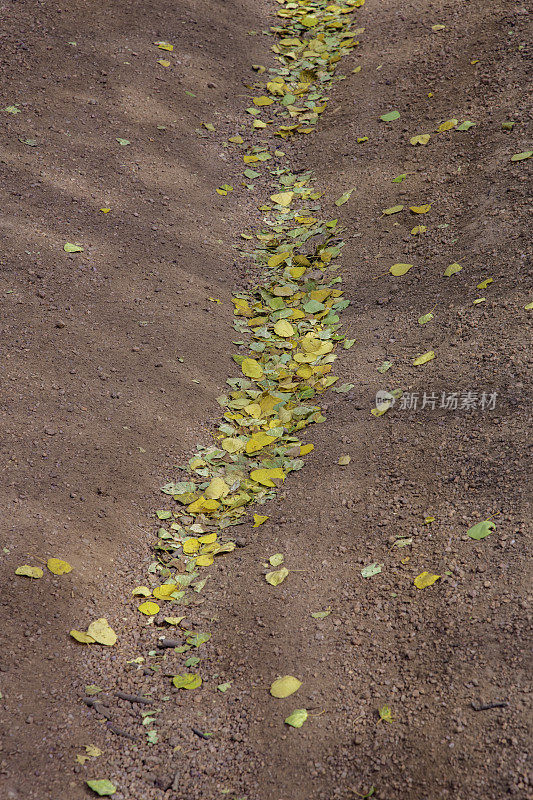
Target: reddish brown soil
column 97, row 408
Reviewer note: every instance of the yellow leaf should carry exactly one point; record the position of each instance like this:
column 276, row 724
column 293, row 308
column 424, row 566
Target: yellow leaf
column 93, row 751
column 58, row 566
column 399, row 269
column 236, row 139
column 282, row 199
column 141, row 591
column 436, row 28
column 392, row 210
column 448, row 125
column 425, row 579
column 344, row 461
column 424, row 358
column 418, row 229
column 174, row 620
column 485, row 283
column 82, row 636
column 105, row 210
column 252, row 369
column 262, row 101
column 276, row 577
column 259, row 519
column 217, row 488
column 163, row 62
column 29, row 572
column 165, row 591
column 284, row 687
column 421, row 138
column 306, row 448
column 232, row 445
column 278, row 258
column 266, row 477
column 258, row 441
column 102, row 632
column 208, row 538
column 204, row 561
column 284, row 329
column 191, row 546
column 165, row 46
column 149, row 608
column 420, row 209
column 452, row 269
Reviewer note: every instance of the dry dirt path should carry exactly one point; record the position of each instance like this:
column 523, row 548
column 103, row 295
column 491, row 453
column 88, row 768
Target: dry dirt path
column 98, row 407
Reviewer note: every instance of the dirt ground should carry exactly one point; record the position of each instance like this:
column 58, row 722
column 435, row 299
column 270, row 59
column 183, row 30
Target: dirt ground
column 113, row 358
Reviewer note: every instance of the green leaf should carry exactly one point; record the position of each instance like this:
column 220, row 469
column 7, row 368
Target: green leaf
column 190, row 680
column 508, row 126
column 344, row 198
column 522, row 156
column 344, row 387
column 251, row 173
column 102, row 786
column 72, row 248
column 223, row 687
column 400, row 178
column 371, row 569
column 385, row 366
column 465, row 126
column 385, row 713
column 481, row 530
column 29, row 142
column 297, row 718
column 321, row 614
column 12, row 109
column 390, row 116
column 348, row 343
column 425, row 318
column 123, row 142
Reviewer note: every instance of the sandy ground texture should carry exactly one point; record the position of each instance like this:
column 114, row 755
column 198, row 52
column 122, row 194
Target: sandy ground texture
column 112, row 360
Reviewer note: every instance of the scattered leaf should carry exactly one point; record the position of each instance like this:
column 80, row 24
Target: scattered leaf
column 72, row 248
column 149, row 608
column 259, row 519
column 321, row 614
column 447, row 126
column 82, row 636
column 29, row 572
column 190, row 680
column 123, row 142
column 481, row 530
column 223, row 687
column 399, row 269
column 58, row 567
column 392, row 210
column 276, row 559
column 421, row 138
column 418, row 229
column 452, row 269
column 297, row 718
column 101, row 632
column 102, row 786
column 420, row 209
column 522, row 156
column 390, row 116
column 344, row 461
column 424, row 358
column 385, row 714
column 371, row 569
column 400, row 178
column 344, row 198
column 425, row 579
column 284, row 687
column 465, row 126
column 425, row 318
column 276, row 577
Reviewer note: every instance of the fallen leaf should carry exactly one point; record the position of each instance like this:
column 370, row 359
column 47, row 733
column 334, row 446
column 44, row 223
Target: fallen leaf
column 190, row 680
column 252, row 369
column 384, row 367
column 223, row 687
column 58, row 567
column 400, row 178
column 141, row 591
column 436, row 28
column 82, row 636
column 284, row 329
column 102, row 786
column 390, row 116
column 344, row 461
column 276, row 577
column 371, row 569
column 344, row 198
column 425, row 579
column 149, row 608
column 425, row 318
column 101, row 632
column 385, row 714
column 522, row 156
column 465, row 126
column 29, row 572
column 174, row 620
column 123, row 142
column 163, row 62
column 421, row 138
column 283, row 198
column 424, row 358
column 481, row 530
column 420, row 209
column 418, row 229
column 392, row 210
column 266, row 477
column 321, row 614
column 12, row 110
column 452, row 269
column 93, row 751
column 259, row 519
column 403, row 542
column 399, row 269
column 105, row 210
column 447, row 126
column 276, row 559
column 485, row 283
column 297, row 718
column 283, row 687
column 72, row 248
column 165, row 46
